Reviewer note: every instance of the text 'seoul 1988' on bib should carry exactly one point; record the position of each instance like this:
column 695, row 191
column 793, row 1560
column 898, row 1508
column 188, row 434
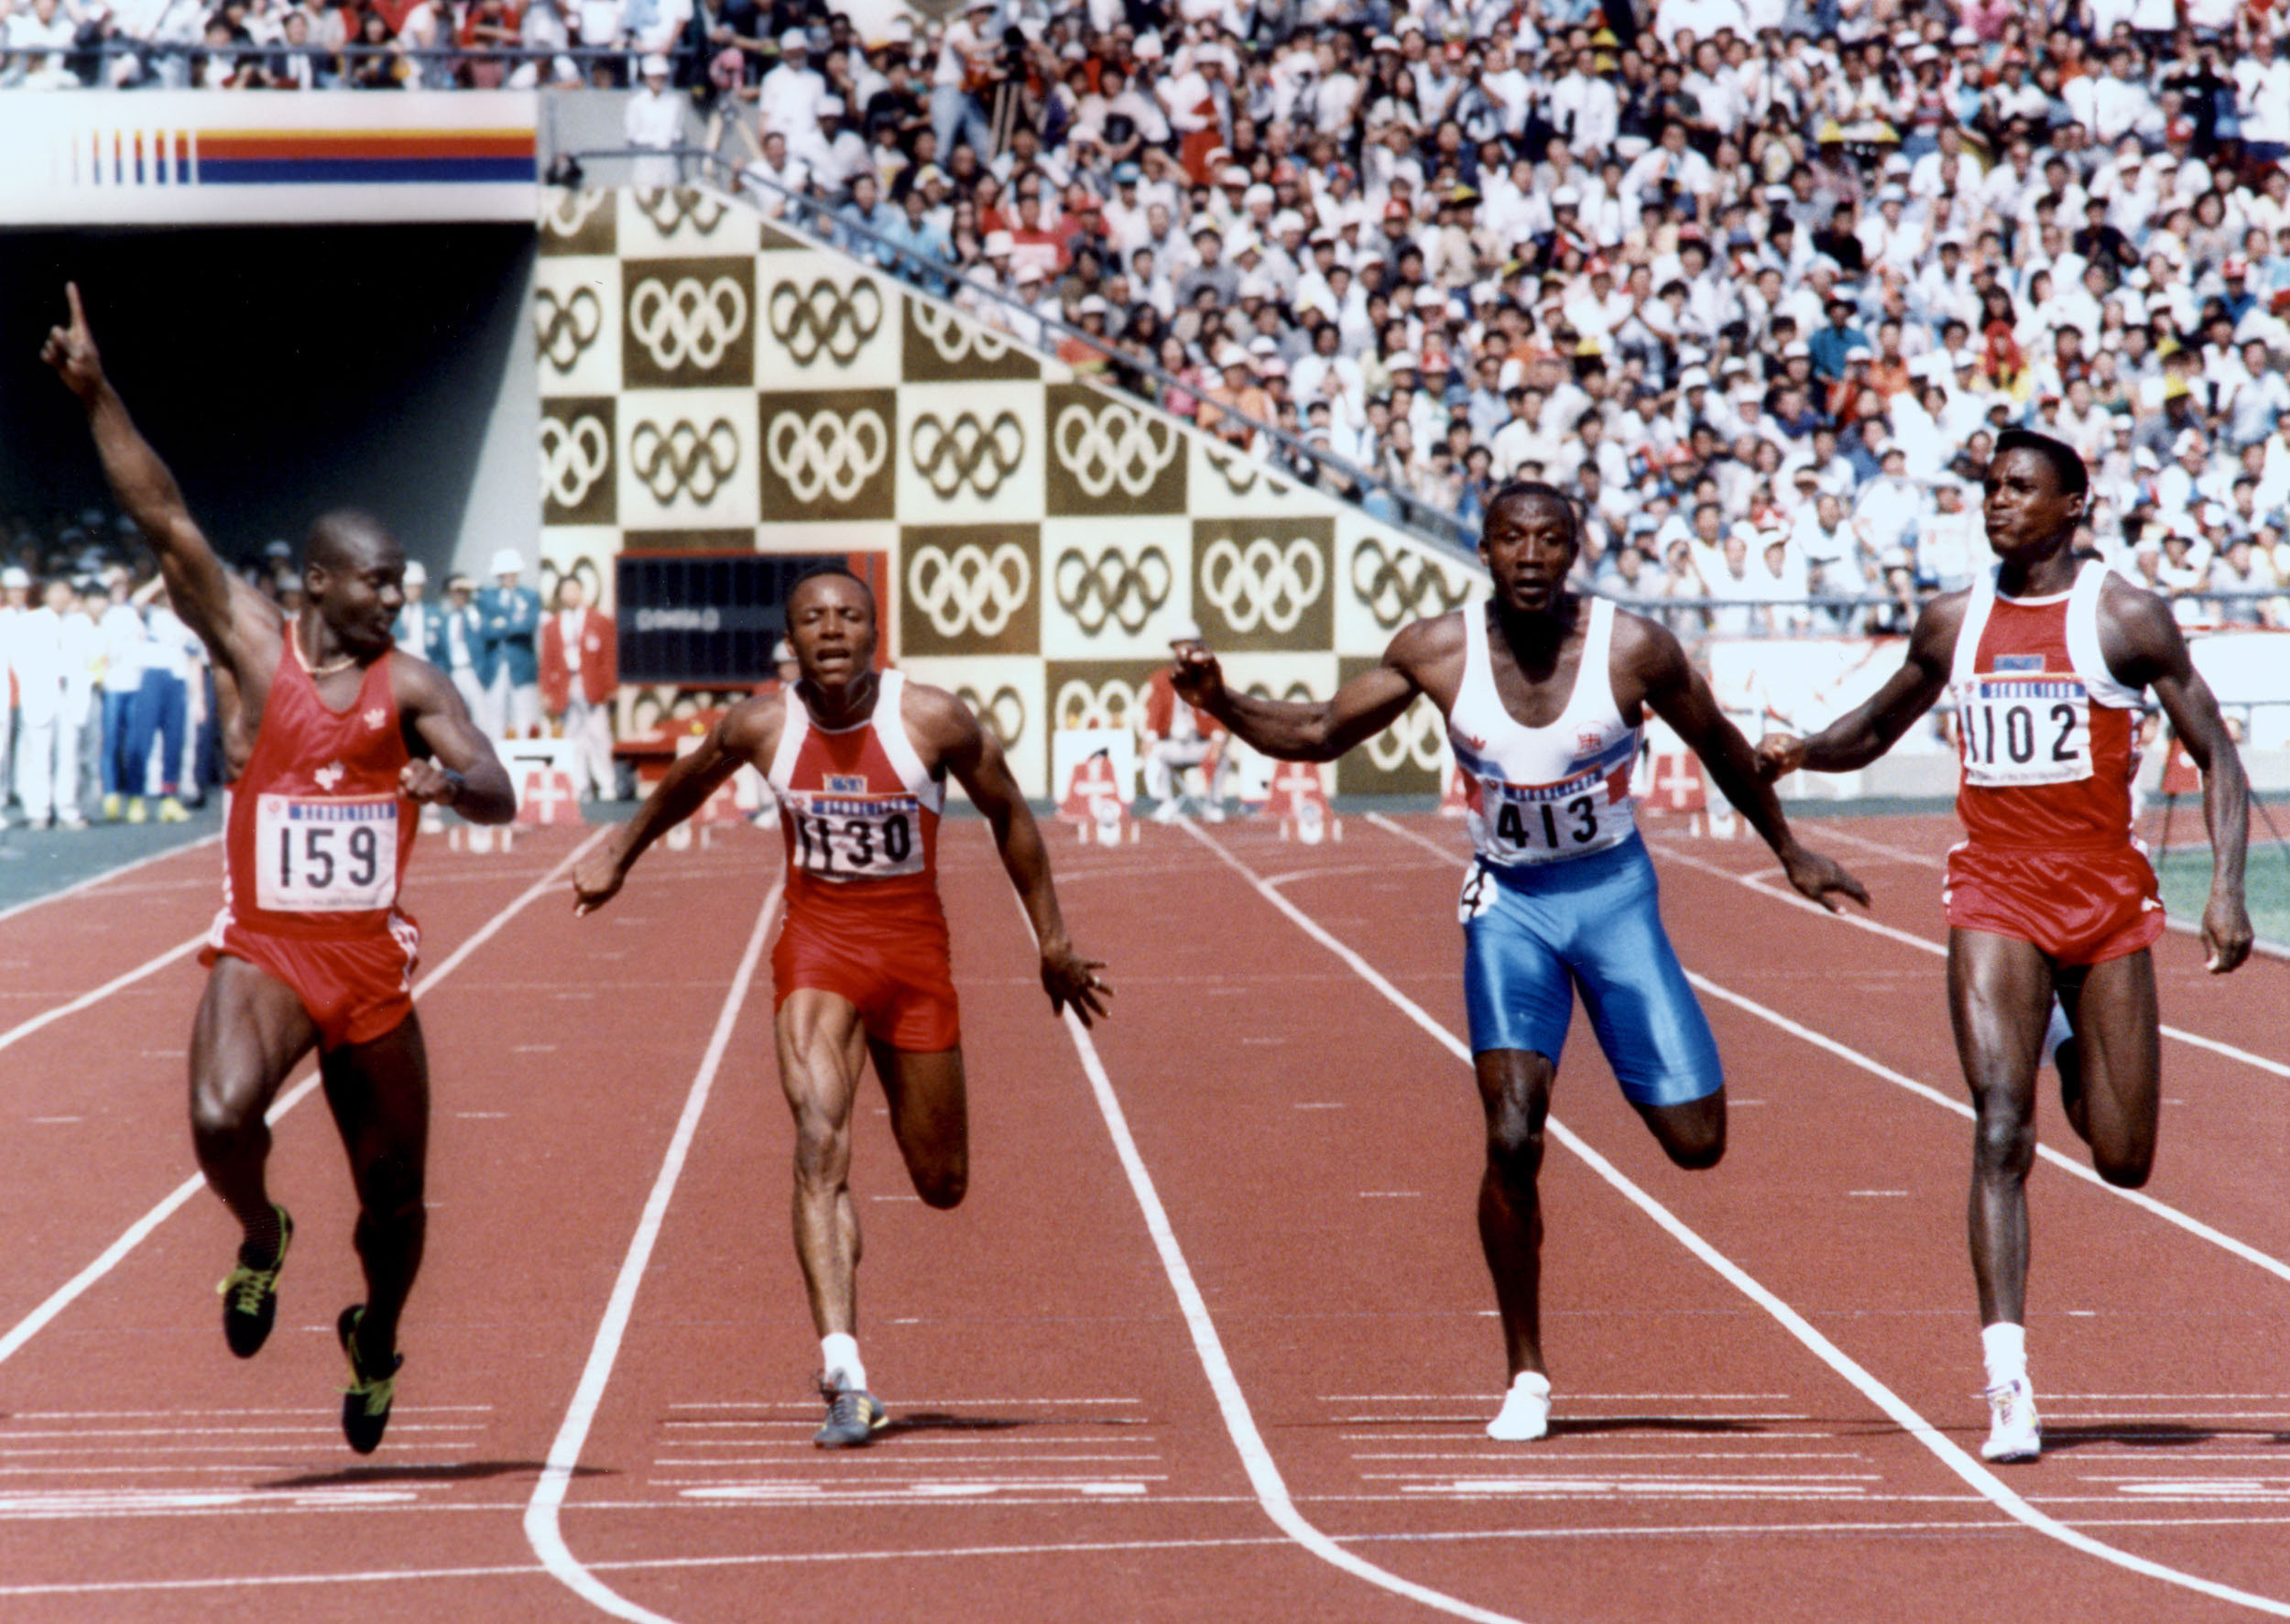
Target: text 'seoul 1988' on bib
column 2025, row 730
column 857, row 837
column 326, row 855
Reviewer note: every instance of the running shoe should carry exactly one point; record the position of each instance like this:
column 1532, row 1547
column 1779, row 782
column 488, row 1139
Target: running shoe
column 111, row 808
column 250, row 1294
column 366, row 1401
column 1526, row 1413
column 2013, row 1431
column 172, row 810
column 136, row 814
column 853, row 1414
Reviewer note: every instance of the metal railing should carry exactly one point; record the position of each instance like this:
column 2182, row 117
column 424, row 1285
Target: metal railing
column 1411, row 513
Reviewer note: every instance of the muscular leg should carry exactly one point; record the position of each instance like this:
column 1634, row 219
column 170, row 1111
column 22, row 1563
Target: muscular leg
column 1515, row 1092
column 929, row 1118
column 2000, row 993
column 379, row 1092
column 2113, row 1008
column 250, row 1032
column 1693, row 1134
column 822, row 1047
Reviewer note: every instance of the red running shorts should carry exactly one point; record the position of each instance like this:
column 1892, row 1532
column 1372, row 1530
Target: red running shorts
column 2080, row 906
column 356, row 989
column 897, row 975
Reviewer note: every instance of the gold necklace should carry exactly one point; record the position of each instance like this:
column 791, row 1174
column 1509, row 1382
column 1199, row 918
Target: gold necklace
column 294, row 634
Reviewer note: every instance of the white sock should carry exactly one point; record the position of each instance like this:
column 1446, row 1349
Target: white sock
column 838, row 1350
column 2005, row 1348
column 2057, row 1033
column 1526, row 1413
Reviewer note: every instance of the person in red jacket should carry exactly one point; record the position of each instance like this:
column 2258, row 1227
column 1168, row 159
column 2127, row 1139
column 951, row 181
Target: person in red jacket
column 579, row 671
column 1179, row 735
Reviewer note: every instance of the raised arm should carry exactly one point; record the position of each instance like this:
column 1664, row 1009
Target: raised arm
column 1860, row 735
column 1314, row 731
column 198, row 582
column 974, row 757
column 736, row 740
column 461, row 770
column 2144, row 647
column 1676, row 692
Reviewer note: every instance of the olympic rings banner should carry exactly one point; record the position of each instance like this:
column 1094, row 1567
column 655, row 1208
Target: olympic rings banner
column 709, row 382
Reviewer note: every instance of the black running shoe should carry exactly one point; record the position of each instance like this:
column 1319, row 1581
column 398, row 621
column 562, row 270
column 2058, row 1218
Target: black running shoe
column 853, row 1414
column 250, row 1295
column 366, row 1401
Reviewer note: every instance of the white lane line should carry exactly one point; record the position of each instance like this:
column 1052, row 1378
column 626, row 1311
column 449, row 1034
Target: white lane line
column 1972, row 1471
column 93, row 880
column 48, row 1018
column 31, row 1325
column 543, row 1530
column 1264, row 1476
column 2068, row 1164
column 1922, row 944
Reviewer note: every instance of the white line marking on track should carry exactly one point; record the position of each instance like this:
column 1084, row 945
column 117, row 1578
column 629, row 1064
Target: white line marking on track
column 1972, row 1471
column 2068, row 1164
column 48, row 1018
column 1922, row 944
column 31, row 1325
column 1264, row 1474
column 543, row 1530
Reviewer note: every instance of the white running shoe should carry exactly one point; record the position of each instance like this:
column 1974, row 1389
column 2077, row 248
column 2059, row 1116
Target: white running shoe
column 1526, row 1413
column 2013, row 1431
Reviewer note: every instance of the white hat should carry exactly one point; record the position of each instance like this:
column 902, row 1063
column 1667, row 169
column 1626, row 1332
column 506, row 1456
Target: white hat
column 1094, row 305
column 414, row 574
column 831, row 107
column 1028, row 272
column 1693, row 378
column 794, row 40
column 998, row 243
column 654, row 67
column 508, row 561
column 15, row 576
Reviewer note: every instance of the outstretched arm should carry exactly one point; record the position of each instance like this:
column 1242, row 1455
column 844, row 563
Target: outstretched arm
column 1677, row 693
column 462, row 771
column 735, row 741
column 2151, row 652
column 198, row 584
column 1320, row 731
column 974, row 757
column 1860, row 735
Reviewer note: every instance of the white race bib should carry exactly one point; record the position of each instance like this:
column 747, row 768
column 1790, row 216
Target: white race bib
column 2016, row 731
column 325, row 855
column 857, row 837
column 1549, row 822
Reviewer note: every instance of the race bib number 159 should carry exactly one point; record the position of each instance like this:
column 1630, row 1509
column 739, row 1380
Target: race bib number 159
column 325, row 855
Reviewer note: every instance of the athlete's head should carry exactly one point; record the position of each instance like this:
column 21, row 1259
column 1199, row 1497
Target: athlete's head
column 354, row 576
column 1528, row 542
column 831, row 624
column 2037, row 488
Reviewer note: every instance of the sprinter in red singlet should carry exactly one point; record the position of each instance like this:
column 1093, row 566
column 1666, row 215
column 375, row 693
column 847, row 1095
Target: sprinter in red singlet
column 858, row 762
column 2047, row 656
column 333, row 740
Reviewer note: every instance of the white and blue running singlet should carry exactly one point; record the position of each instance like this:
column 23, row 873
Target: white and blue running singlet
column 1561, row 894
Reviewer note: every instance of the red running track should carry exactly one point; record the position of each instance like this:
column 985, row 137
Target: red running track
column 1211, row 1336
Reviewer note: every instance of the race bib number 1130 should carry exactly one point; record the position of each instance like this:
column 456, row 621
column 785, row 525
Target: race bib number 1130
column 325, row 855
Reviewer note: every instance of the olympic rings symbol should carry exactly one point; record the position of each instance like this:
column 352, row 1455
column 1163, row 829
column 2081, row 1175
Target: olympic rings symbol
column 825, row 453
column 1263, row 583
column 955, row 340
column 1239, row 474
column 567, row 211
column 686, row 322
column 1112, row 703
column 968, row 453
column 574, row 457
column 671, row 208
column 1110, row 588
column 1393, row 591
column 566, row 328
column 684, row 461
column 825, row 320
column 1005, row 712
column 1113, row 446
column 969, row 589
column 1412, row 741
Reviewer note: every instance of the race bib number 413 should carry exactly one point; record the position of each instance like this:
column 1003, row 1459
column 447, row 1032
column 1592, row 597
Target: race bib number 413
column 2019, row 731
column 325, row 855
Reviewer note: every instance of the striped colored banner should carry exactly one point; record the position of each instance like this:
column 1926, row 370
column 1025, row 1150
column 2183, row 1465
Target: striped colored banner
column 255, row 157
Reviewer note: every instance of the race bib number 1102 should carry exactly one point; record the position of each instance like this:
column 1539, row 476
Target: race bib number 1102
column 2025, row 730
column 325, row 855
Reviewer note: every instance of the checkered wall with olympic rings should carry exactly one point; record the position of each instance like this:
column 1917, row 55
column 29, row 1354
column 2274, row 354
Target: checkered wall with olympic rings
column 709, row 381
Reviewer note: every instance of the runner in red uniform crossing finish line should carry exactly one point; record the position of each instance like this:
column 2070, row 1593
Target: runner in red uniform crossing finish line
column 334, row 739
column 2047, row 655
column 857, row 762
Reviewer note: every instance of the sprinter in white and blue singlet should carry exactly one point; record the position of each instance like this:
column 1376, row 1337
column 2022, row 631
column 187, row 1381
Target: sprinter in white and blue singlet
column 1544, row 695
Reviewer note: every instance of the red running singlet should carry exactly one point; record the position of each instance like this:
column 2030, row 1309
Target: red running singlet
column 315, row 846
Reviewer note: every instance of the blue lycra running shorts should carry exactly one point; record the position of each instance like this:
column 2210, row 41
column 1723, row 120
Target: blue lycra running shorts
column 1531, row 936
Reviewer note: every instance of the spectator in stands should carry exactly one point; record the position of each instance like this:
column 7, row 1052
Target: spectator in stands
column 41, row 648
column 654, row 121
column 421, row 625
column 579, row 678
column 509, row 654
column 461, row 643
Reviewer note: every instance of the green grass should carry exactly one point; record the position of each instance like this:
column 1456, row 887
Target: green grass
column 2186, row 877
